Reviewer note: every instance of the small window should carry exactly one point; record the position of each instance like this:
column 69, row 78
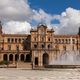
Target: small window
column 49, row 46
column 35, row 46
column 9, row 47
column 73, row 40
column 17, row 47
column 19, row 40
column 15, row 40
column 48, row 39
column 34, row 39
column 8, row 40
column 12, row 40
column 43, row 46
column 42, row 39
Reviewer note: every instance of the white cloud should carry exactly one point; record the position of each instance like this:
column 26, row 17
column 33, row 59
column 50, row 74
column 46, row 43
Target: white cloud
column 69, row 21
column 16, row 27
column 17, row 14
column 14, row 9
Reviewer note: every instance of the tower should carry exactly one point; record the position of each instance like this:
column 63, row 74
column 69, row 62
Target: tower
column 79, row 31
column 0, row 28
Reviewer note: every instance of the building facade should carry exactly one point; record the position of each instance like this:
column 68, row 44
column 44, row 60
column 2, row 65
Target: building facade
column 36, row 49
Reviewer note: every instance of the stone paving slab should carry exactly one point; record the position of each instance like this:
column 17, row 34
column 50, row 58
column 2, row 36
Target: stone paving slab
column 54, row 74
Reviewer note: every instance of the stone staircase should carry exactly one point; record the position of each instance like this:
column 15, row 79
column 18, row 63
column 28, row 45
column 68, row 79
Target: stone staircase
column 24, row 65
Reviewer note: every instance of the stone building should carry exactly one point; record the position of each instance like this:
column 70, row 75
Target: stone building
column 36, row 49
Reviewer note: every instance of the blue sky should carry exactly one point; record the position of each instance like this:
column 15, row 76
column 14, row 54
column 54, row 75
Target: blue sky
column 62, row 15
column 54, row 6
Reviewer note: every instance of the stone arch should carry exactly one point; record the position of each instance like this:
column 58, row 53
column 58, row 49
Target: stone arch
column 5, row 57
column 22, row 57
column 45, row 59
column 28, row 58
column 11, row 57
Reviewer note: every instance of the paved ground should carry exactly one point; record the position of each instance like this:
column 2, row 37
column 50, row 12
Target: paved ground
column 56, row 74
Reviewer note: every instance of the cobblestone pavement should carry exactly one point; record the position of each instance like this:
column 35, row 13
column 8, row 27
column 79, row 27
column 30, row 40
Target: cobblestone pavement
column 54, row 74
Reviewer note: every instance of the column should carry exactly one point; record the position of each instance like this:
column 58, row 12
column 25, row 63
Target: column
column 40, row 59
column 13, row 58
column 8, row 56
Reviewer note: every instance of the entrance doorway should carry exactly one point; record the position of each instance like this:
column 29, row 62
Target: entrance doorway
column 45, row 59
column 28, row 58
column 10, row 57
column 36, row 60
column 5, row 57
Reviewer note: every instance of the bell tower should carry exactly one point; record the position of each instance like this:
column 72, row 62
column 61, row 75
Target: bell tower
column 0, row 28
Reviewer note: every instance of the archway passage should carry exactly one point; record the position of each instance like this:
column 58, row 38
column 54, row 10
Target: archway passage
column 16, row 57
column 45, row 59
column 10, row 57
column 22, row 57
column 28, row 58
column 5, row 58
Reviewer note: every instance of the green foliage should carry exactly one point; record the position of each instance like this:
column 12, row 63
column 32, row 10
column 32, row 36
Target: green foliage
column 4, row 62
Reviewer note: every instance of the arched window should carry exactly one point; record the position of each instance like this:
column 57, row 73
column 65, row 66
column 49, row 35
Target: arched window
column 35, row 46
column 22, row 57
column 11, row 57
column 49, row 46
column 5, row 58
column 28, row 58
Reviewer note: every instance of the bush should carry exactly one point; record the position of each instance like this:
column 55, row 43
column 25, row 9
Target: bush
column 4, row 62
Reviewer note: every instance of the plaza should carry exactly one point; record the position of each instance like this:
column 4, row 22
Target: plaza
column 53, row 74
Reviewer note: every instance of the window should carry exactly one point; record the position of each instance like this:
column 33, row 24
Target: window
column 19, row 40
column 35, row 46
column 69, row 41
column 35, row 39
column 49, row 46
column 66, row 41
column 48, row 39
column 59, row 40
column 9, row 47
column 43, row 46
column 17, row 47
column 73, row 41
column 63, row 41
column 12, row 40
column 8, row 40
column 15, row 40
column 56, row 40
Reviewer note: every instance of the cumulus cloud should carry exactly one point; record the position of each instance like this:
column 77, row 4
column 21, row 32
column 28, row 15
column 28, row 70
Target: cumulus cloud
column 13, row 26
column 17, row 17
column 69, row 21
column 14, row 10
